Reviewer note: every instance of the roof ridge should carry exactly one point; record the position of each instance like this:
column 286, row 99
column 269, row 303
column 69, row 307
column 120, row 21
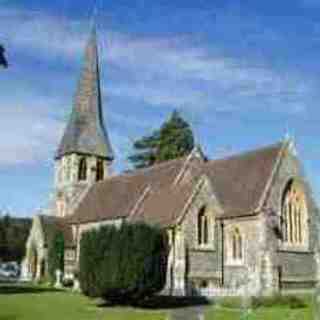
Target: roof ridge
column 140, row 171
column 247, row 152
column 277, row 161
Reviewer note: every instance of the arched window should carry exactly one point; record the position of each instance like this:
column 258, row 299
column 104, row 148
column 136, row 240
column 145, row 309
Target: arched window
column 294, row 215
column 82, row 173
column 237, row 245
column 100, row 171
column 203, row 227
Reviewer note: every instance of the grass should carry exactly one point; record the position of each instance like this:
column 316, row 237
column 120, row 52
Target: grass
column 276, row 308
column 29, row 302
column 275, row 313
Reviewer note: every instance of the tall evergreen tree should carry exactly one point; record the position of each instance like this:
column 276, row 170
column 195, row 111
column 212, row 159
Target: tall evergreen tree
column 174, row 139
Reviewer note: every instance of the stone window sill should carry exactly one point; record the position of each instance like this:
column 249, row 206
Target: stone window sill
column 234, row 263
column 203, row 248
column 294, row 248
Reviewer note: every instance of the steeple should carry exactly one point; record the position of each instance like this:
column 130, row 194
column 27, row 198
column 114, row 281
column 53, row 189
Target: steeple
column 84, row 155
column 85, row 133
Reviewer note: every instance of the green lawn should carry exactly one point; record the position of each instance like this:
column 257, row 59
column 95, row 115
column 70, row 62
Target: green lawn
column 38, row 303
column 274, row 313
column 32, row 303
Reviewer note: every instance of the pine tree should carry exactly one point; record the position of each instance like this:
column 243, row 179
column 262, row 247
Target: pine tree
column 174, row 139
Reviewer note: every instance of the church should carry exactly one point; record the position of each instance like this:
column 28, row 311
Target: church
column 245, row 221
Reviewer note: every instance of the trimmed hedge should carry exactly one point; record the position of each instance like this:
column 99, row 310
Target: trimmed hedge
column 123, row 264
column 55, row 255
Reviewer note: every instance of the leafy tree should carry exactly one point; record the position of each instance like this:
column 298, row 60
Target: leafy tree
column 3, row 242
column 55, row 255
column 174, row 139
column 123, row 264
column 13, row 236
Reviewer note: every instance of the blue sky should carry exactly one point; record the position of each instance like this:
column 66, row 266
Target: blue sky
column 242, row 72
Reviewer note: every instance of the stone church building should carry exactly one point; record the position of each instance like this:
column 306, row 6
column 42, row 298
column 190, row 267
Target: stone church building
column 245, row 220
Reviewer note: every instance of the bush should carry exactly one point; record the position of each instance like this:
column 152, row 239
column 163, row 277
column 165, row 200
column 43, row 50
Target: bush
column 55, row 255
column 123, row 264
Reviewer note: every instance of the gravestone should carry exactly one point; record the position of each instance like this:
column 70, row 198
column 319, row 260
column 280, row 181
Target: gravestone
column 58, row 283
column 76, row 285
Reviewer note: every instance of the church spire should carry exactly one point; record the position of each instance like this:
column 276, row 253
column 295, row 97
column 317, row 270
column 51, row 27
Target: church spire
column 85, row 132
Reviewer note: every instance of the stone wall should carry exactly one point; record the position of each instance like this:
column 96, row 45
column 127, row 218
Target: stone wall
column 67, row 185
column 36, row 252
column 294, row 266
column 251, row 229
column 269, row 267
column 203, row 263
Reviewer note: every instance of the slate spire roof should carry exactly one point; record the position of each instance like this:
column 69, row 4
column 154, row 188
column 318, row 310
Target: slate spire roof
column 85, row 132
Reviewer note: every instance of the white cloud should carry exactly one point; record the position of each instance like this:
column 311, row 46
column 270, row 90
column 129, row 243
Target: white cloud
column 41, row 33
column 163, row 70
column 169, row 71
column 27, row 136
column 158, row 71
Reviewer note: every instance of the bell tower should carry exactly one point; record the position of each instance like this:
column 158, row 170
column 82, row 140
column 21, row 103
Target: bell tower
column 84, row 155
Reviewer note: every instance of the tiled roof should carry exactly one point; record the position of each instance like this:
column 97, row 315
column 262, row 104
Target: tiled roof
column 85, row 132
column 164, row 205
column 116, row 197
column 238, row 183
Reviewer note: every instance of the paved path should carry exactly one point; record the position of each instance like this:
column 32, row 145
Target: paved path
column 188, row 313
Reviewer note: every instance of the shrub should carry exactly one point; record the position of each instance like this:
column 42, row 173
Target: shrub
column 123, row 264
column 55, row 255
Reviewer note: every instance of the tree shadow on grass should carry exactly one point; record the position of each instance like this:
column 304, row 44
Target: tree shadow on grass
column 6, row 289
column 162, row 302
column 8, row 317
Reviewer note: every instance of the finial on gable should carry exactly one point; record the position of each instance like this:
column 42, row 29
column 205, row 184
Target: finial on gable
column 290, row 144
column 287, row 136
column 197, row 152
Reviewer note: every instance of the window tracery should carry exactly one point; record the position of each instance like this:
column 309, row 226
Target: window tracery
column 294, row 215
column 237, row 245
column 204, row 228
